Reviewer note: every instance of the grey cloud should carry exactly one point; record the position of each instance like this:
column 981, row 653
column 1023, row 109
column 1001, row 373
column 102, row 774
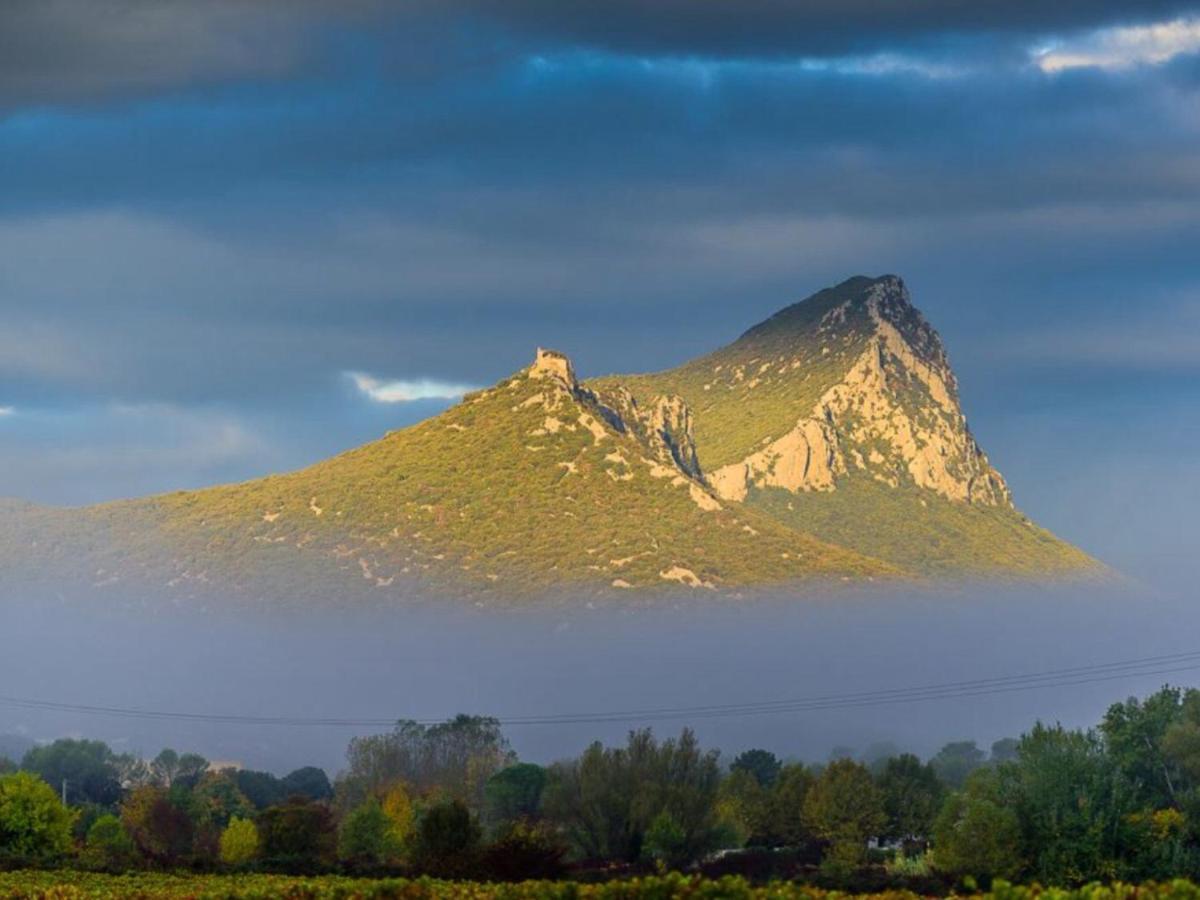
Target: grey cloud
column 71, row 50
column 755, row 28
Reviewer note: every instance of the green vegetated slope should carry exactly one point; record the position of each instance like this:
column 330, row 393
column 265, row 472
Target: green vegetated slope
column 943, row 539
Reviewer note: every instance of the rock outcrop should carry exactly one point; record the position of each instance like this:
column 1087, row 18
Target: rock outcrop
column 894, row 415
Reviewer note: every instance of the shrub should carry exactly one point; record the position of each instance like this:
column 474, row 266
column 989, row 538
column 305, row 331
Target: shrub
column 34, row 825
column 447, row 841
column 108, row 845
column 239, row 842
column 525, row 851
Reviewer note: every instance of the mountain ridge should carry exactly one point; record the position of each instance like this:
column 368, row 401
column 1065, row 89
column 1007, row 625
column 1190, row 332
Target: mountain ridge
column 825, row 443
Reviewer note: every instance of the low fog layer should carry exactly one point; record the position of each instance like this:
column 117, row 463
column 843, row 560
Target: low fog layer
column 432, row 663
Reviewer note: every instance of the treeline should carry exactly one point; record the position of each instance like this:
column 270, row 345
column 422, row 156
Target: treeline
column 1057, row 806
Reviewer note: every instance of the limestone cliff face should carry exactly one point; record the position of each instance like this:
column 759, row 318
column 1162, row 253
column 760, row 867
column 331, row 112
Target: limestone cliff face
column 893, row 416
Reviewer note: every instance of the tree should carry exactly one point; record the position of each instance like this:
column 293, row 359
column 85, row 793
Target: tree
column 216, row 800
column 912, row 796
column 955, row 761
column 34, row 825
column 976, row 834
column 298, row 834
column 88, row 767
column 743, row 807
column 666, row 842
column 366, row 838
column 309, row 782
column 1004, row 750
column 514, row 793
column 239, row 844
column 1135, row 734
column 762, row 764
column 170, row 768
column 458, row 757
column 447, row 840
column 398, row 807
column 1071, row 803
column 844, row 808
column 261, row 788
column 160, row 828
column 787, row 825
column 108, row 845
column 606, row 800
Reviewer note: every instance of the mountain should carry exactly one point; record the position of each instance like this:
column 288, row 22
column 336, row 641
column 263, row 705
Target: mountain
column 826, row 442
column 840, row 415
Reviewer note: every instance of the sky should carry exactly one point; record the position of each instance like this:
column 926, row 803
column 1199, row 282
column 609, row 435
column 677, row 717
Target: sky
column 237, row 237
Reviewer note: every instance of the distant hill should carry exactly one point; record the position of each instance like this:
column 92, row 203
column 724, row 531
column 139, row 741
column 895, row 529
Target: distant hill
column 826, row 442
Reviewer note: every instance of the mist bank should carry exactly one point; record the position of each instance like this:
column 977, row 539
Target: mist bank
column 839, row 664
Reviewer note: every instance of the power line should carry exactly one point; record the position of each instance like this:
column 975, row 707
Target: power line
column 1164, row 664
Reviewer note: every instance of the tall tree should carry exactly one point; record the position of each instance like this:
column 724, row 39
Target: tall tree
column 955, row 761
column 458, row 757
column 977, row 833
column 912, row 796
column 762, row 764
column 844, row 808
column 88, row 767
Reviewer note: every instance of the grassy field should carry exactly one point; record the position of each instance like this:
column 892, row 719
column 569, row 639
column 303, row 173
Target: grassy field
column 88, row 886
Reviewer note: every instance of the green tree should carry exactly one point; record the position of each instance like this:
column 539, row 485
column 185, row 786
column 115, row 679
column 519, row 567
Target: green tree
column 976, row 834
column 34, row 825
column 261, row 788
column 367, row 837
column 298, row 835
column 447, row 840
column 955, row 761
column 844, row 808
column 88, row 767
column 1004, row 750
column 108, row 845
column 1071, row 803
column 743, row 807
column 309, row 782
column 607, row 798
column 762, row 764
column 666, row 842
column 786, row 825
column 170, row 768
column 514, row 793
column 216, row 800
column 1134, row 736
column 912, row 796
column 239, row 842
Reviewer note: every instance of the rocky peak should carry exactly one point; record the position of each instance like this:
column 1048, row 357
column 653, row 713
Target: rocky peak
column 556, row 365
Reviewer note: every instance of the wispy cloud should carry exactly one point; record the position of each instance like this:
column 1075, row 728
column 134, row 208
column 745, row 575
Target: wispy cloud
column 1122, row 47
column 401, row 391
column 7, row 411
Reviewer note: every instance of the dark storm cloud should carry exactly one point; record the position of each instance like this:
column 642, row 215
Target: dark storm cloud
column 71, row 51
column 778, row 28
